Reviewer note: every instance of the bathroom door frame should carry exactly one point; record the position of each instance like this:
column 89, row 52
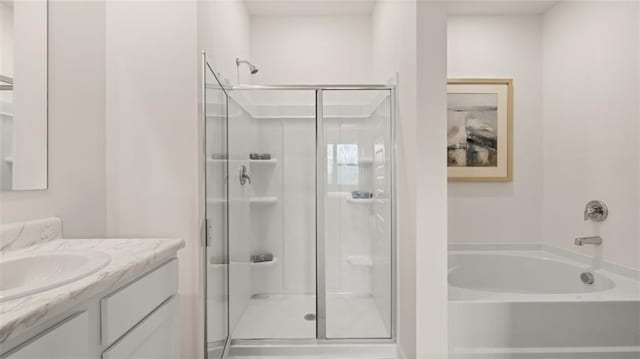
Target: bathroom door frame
column 321, row 337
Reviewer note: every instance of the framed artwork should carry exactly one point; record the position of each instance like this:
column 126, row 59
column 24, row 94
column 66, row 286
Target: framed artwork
column 480, row 130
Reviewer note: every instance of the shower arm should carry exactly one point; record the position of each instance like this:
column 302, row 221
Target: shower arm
column 252, row 68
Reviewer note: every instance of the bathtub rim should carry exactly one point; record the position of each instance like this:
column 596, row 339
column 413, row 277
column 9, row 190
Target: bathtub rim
column 627, row 287
column 624, row 271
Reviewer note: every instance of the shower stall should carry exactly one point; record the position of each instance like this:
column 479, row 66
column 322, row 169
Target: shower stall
column 300, row 227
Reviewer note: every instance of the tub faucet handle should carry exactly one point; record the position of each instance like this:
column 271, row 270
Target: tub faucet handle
column 596, row 211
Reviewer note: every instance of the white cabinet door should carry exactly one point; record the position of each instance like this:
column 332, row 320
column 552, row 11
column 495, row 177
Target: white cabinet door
column 154, row 338
column 68, row 340
column 122, row 310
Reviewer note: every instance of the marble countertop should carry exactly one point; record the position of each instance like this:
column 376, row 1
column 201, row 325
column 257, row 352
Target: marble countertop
column 129, row 259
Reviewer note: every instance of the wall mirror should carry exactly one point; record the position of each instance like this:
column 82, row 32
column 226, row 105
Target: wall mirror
column 23, row 95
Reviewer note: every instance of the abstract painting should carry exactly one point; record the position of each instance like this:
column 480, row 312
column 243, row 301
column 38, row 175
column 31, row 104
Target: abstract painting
column 479, row 142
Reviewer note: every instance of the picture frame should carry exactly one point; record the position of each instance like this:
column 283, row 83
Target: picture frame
column 480, row 130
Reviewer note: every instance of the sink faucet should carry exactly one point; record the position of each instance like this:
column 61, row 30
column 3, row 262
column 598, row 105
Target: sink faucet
column 595, row 240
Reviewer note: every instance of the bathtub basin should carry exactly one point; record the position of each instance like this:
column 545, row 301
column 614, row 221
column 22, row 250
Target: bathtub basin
column 513, row 273
column 521, row 302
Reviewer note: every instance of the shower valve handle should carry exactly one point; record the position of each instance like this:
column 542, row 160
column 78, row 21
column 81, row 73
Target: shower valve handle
column 244, row 176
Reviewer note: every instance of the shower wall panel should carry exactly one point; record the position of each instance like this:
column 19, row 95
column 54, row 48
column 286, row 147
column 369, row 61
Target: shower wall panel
column 358, row 213
column 278, row 212
column 299, row 214
column 241, row 135
column 277, row 258
column 267, row 218
column 381, row 250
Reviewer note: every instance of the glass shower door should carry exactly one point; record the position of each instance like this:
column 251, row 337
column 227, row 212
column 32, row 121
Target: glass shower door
column 358, row 212
column 216, row 213
column 272, row 220
column 299, row 189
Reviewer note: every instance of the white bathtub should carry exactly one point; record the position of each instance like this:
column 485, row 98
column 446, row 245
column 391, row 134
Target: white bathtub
column 533, row 304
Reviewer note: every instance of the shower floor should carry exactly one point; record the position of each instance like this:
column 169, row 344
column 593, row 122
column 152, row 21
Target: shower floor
column 282, row 316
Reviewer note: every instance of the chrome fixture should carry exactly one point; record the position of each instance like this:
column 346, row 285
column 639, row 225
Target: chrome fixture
column 587, row 278
column 252, row 68
column 595, row 240
column 244, row 176
column 596, row 211
column 7, row 83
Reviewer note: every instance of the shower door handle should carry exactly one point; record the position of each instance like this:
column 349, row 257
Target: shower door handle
column 244, row 176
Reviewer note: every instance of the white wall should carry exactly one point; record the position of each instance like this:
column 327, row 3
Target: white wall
column 76, row 147
column 30, row 95
column 224, row 32
column 311, row 49
column 152, row 138
column 591, row 120
column 431, row 177
column 394, row 52
column 501, row 47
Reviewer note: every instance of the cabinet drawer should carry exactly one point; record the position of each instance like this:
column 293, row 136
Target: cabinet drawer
column 69, row 339
column 154, row 338
column 123, row 309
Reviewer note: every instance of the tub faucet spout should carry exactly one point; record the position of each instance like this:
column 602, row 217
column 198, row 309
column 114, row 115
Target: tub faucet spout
column 595, row 240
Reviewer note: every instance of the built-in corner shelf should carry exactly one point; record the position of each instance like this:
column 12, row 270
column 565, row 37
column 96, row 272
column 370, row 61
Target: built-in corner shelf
column 215, row 263
column 263, row 200
column 253, row 200
column 265, row 264
column 360, row 200
column 360, row 261
column 217, row 160
column 271, row 162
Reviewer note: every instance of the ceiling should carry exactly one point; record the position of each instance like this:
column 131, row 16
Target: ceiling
column 504, row 7
column 310, row 7
column 365, row 7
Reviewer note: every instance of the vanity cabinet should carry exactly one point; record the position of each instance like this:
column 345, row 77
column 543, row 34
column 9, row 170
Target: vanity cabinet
column 121, row 310
column 68, row 339
column 155, row 337
column 137, row 320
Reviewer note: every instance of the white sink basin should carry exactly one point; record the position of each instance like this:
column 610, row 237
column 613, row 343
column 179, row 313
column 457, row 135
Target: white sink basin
column 22, row 275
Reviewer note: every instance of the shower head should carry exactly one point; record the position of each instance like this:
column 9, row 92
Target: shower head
column 252, row 68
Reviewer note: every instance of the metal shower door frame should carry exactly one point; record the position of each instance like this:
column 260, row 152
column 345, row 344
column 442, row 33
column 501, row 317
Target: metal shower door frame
column 321, row 309
column 321, row 160
column 204, row 225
